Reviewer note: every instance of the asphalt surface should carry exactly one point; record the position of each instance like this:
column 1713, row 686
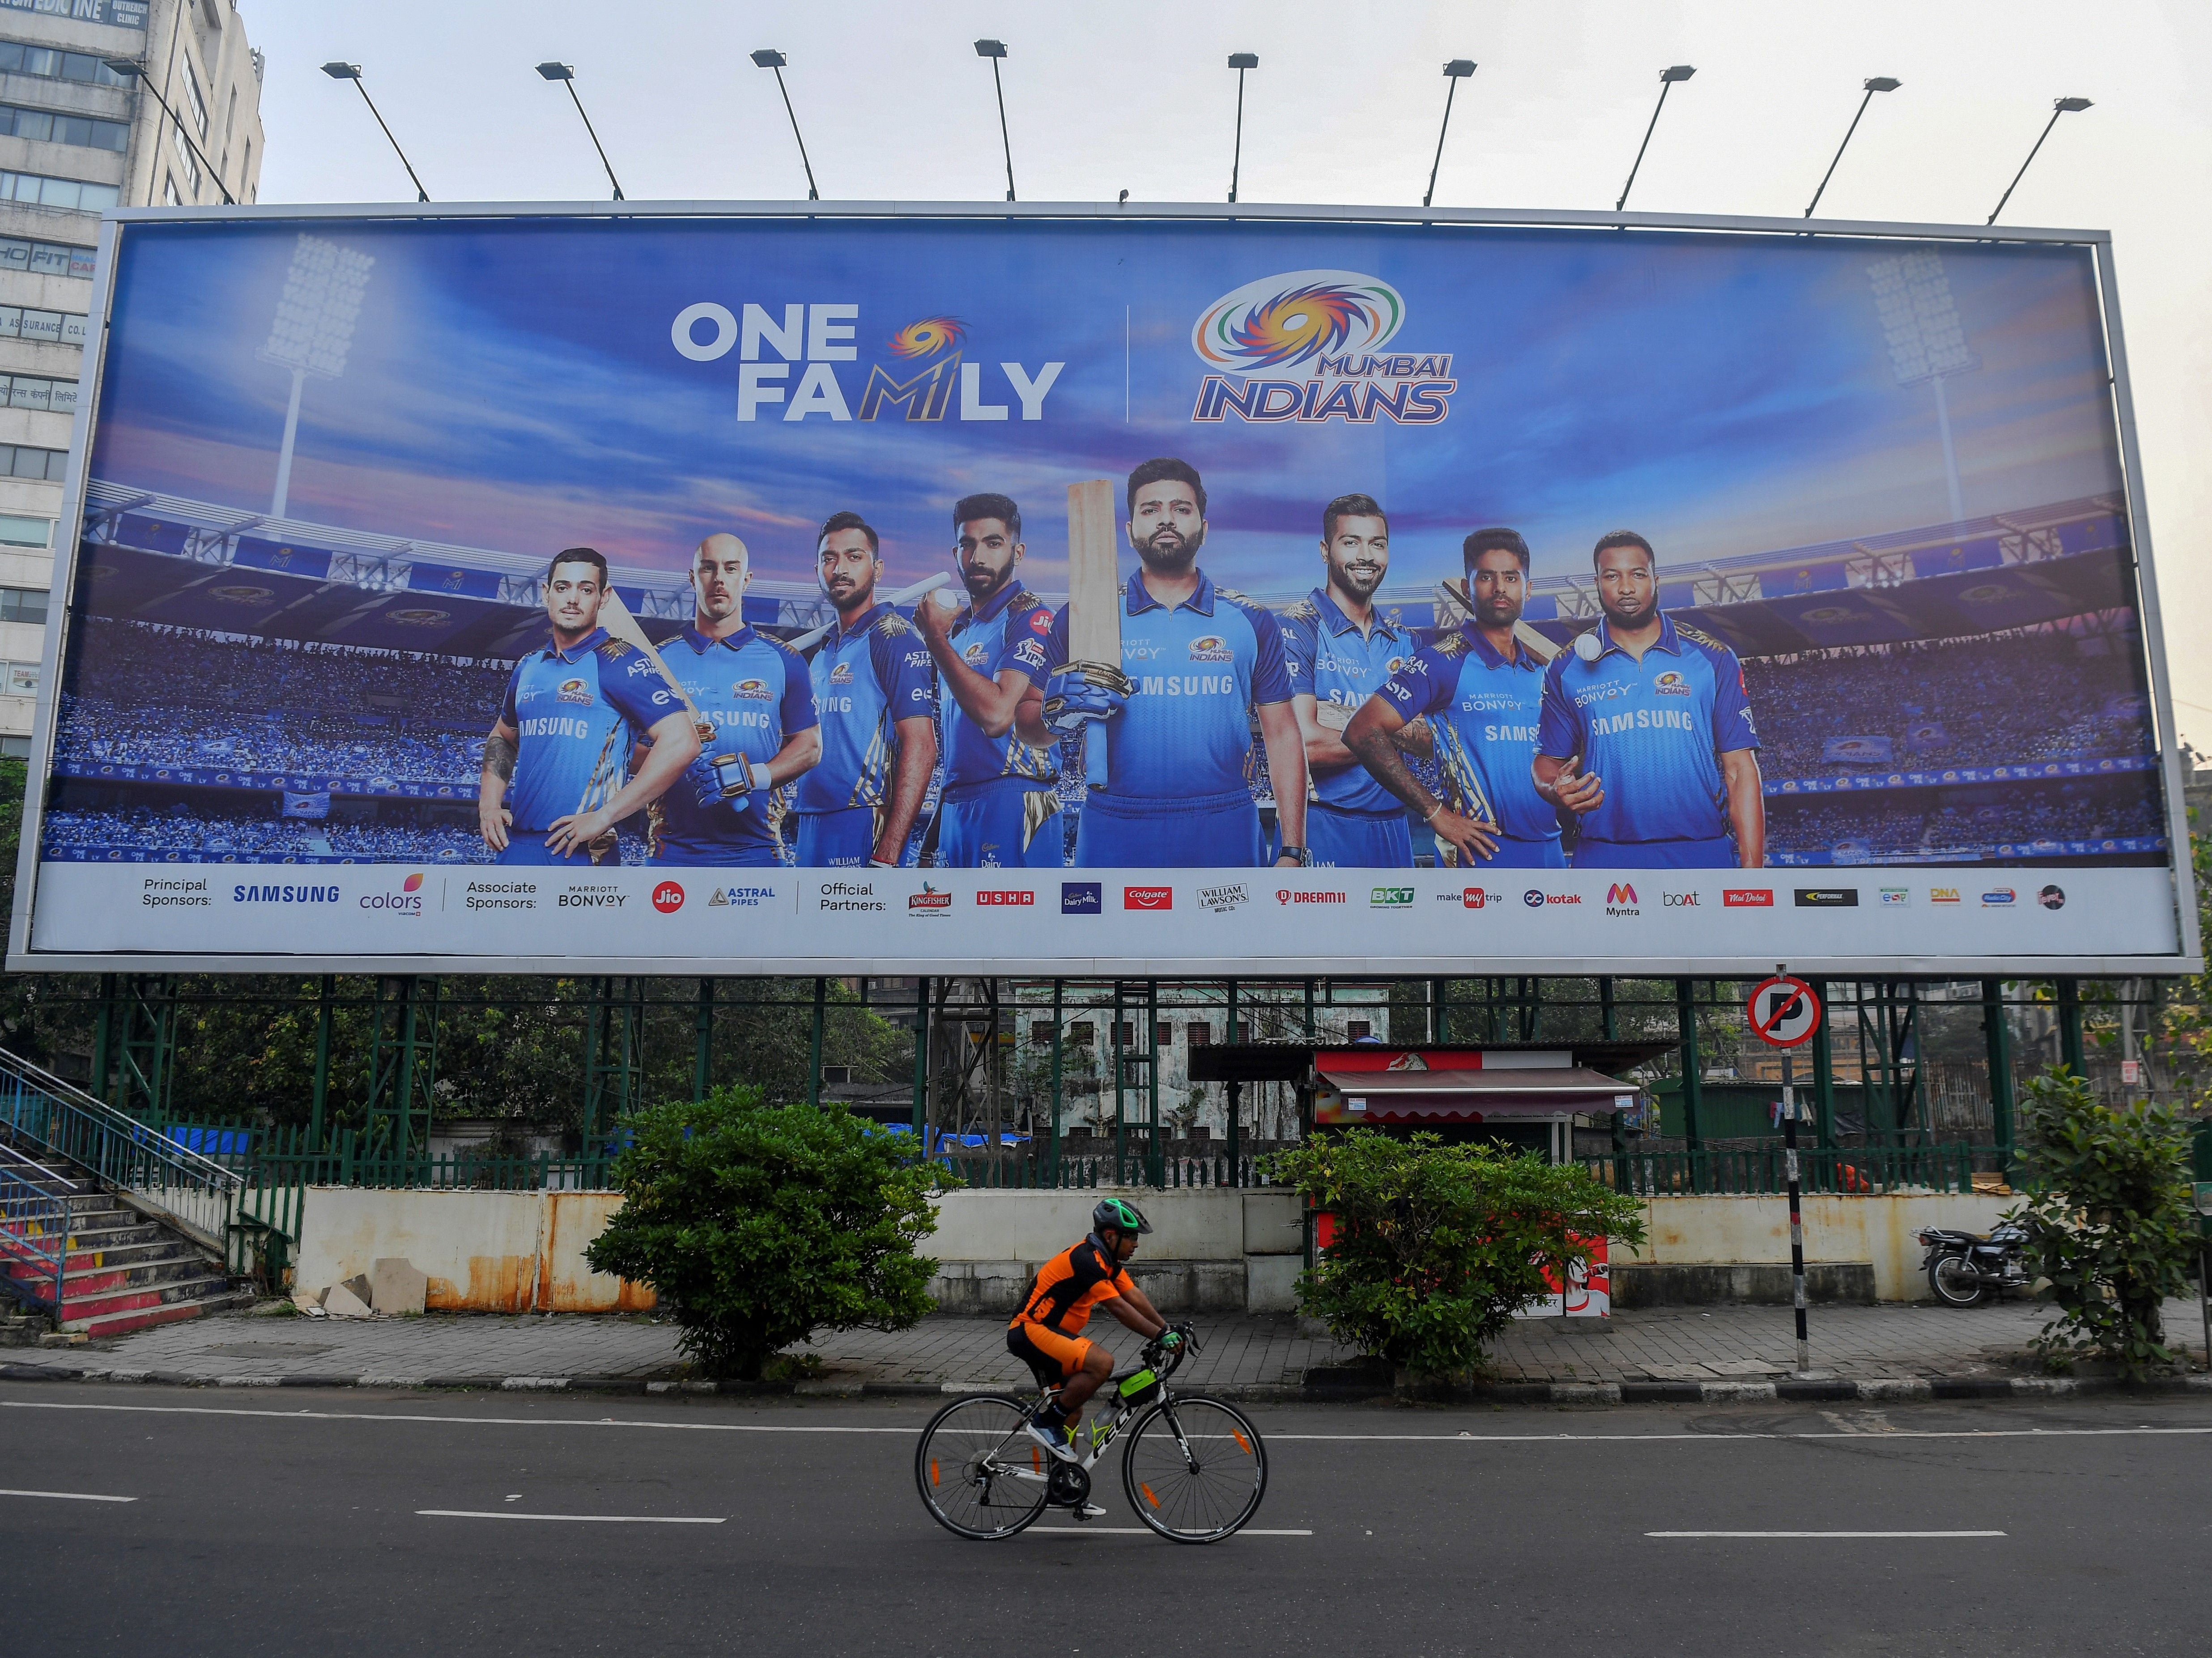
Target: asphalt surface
column 293, row 1521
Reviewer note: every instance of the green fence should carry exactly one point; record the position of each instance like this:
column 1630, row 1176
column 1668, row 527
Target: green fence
column 1762, row 1171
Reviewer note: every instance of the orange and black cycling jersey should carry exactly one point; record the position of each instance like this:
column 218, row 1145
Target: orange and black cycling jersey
column 1070, row 1284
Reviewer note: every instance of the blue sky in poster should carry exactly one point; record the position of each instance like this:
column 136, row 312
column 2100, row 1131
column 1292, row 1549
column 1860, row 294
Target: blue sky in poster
column 513, row 385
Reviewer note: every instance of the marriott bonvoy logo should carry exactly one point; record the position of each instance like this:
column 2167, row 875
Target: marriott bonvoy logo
column 1307, row 346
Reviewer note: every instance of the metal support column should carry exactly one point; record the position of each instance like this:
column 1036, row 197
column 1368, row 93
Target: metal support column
column 1823, row 1071
column 1236, row 1103
column 702, row 1049
column 1609, row 1015
column 2070, row 1026
column 403, row 1068
column 1997, row 1037
column 1058, row 989
column 1155, row 1170
column 1120, row 1146
column 921, row 1061
column 614, row 1061
column 814, row 1050
column 326, row 993
column 1685, row 1028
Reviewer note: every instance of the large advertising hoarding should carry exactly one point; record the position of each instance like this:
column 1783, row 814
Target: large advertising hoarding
column 1312, row 592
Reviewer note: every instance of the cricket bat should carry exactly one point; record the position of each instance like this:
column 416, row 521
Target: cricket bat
column 1531, row 641
column 1093, row 598
column 921, row 589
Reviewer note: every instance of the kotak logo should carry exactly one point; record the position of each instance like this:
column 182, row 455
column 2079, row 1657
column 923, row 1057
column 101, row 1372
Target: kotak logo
column 668, row 897
column 1536, row 900
column 1148, row 897
column 1024, row 899
column 1747, row 898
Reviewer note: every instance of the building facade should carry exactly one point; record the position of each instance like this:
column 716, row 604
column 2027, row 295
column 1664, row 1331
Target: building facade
column 77, row 137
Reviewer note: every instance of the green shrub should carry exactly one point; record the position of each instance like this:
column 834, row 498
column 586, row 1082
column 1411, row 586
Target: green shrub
column 2109, row 1219
column 1437, row 1246
column 761, row 1224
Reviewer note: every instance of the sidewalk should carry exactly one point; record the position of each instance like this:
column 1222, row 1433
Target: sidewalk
column 1675, row 1353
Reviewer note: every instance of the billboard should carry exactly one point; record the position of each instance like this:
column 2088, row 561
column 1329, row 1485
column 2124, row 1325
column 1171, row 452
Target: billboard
column 1060, row 590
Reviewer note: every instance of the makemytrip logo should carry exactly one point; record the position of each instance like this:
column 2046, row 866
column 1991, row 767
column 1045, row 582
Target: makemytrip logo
column 1023, row 900
column 408, row 900
column 1322, row 332
column 1475, row 897
column 1747, row 898
column 1390, row 898
column 1148, row 897
column 668, row 897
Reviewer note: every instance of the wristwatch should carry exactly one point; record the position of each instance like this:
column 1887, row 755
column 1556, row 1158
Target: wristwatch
column 1303, row 854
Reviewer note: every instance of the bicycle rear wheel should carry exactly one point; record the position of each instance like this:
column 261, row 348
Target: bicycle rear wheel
column 1195, row 1469
column 981, row 1477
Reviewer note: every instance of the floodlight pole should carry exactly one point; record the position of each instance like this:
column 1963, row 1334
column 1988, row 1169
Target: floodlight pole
column 1879, row 84
column 768, row 57
column 1667, row 79
column 995, row 50
column 130, row 70
column 1455, row 71
column 2060, row 106
column 284, row 454
column 1239, row 61
column 567, row 77
column 352, row 72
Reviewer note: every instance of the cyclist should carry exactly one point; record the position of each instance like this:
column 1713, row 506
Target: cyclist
column 1047, row 1335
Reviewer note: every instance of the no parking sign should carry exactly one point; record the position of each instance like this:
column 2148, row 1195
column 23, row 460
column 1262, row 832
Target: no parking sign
column 1784, row 1012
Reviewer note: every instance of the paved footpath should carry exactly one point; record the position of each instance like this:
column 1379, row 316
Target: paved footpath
column 1665, row 1353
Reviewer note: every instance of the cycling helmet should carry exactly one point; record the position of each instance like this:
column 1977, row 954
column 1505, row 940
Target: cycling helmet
column 1120, row 1216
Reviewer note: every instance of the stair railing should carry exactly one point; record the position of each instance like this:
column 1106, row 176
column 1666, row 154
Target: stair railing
column 196, row 1193
column 34, row 1227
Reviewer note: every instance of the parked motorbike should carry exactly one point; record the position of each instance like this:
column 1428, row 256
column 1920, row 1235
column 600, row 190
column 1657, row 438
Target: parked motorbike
column 1964, row 1268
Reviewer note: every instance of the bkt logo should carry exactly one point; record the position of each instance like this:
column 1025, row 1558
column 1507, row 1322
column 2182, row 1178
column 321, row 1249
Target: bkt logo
column 1148, row 897
column 1081, row 897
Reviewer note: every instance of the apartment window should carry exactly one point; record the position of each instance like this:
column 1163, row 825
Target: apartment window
column 44, row 259
column 1354, row 1029
column 1082, row 1033
column 35, row 392
column 230, row 120
column 197, row 104
column 17, row 58
column 58, row 192
column 169, row 190
column 1041, row 1033
column 1239, row 1032
column 26, row 532
column 54, row 327
column 1199, row 1036
column 14, row 747
column 24, row 462
column 246, row 165
column 23, row 604
column 186, row 160
column 1127, row 1037
column 48, row 127
column 837, row 1076
column 22, row 679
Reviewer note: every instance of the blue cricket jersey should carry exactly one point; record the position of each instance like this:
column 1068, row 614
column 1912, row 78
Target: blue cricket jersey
column 866, row 678
column 1653, row 730
column 1330, row 660
column 1012, row 629
column 571, row 709
column 1200, row 668
column 756, row 691
column 1484, row 711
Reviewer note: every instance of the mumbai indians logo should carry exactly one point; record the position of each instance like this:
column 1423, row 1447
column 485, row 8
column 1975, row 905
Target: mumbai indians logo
column 1279, row 322
column 1327, row 327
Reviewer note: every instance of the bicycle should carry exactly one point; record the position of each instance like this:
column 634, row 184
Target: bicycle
column 1193, row 1468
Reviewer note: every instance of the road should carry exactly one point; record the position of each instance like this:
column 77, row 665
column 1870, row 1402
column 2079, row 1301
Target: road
column 295, row 1522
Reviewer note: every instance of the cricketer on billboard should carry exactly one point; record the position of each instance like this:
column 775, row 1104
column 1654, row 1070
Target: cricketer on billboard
column 561, row 585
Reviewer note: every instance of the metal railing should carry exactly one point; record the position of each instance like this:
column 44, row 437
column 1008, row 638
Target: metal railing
column 1858, row 1171
column 34, row 1227
column 196, row 1193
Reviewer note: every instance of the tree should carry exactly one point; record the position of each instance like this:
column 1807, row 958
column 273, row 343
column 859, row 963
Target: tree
column 762, row 1224
column 1437, row 1246
column 2109, row 1221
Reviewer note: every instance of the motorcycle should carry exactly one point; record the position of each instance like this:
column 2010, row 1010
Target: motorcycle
column 1964, row 1268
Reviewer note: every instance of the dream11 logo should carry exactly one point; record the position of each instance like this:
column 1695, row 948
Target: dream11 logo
column 1336, row 321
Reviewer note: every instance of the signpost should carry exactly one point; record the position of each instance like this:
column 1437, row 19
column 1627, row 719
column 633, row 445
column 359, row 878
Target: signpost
column 1784, row 1014
column 2203, row 1195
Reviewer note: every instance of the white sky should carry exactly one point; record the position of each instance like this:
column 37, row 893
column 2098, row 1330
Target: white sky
column 1343, row 109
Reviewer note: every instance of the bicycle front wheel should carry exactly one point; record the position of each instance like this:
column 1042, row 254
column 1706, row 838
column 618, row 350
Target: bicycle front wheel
column 981, row 1476
column 1194, row 1470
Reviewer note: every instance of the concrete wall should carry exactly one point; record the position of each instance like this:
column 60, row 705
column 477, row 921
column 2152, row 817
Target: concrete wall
column 1712, row 1231
column 483, row 1252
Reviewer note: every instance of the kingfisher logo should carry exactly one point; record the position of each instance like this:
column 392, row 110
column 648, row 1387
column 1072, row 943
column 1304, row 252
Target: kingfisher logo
column 929, row 901
column 1747, row 898
column 1148, row 897
column 1081, row 897
column 1326, row 328
column 668, row 897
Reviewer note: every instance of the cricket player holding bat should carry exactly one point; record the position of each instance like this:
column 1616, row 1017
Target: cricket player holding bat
column 1480, row 692
column 753, row 694
column 998, row 810
column 876, row 696
column 1195, row 664
column 565, row 731
column 1341, row 651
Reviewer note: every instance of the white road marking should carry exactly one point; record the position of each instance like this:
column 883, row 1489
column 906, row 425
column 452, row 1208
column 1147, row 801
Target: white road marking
column 71, row 1496
column 1824, row 1533
column 1139, row 1531
column 592, row 1519
column 1272, row 1437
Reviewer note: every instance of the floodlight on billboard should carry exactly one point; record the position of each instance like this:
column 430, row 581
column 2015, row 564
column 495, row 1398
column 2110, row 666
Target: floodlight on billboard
column 314, row 331
column 1927, row 342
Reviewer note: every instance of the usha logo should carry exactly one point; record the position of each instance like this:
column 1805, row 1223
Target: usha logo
column 1325, row 326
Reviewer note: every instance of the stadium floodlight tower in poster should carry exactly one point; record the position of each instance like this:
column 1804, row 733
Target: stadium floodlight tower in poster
column 713, row 588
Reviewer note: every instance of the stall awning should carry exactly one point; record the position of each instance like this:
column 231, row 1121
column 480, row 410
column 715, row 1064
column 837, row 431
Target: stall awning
column 1384, row 1096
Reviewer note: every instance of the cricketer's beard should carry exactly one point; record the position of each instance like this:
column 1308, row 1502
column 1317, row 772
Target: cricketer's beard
column 1165, row 552
column 1361, row 577
column 1631, row 620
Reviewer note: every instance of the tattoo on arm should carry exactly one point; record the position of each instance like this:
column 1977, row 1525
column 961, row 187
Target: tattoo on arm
column 499, row 757
column 1379, row 754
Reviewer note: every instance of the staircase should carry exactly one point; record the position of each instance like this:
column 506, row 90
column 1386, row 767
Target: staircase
column 105, row 1227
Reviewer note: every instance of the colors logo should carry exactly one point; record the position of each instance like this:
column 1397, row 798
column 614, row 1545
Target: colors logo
column 1148, row 897
column 1279, row 322
column 668, row 897
column 408, row 900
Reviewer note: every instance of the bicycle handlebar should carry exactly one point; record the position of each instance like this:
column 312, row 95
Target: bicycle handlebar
column 1167, row 1361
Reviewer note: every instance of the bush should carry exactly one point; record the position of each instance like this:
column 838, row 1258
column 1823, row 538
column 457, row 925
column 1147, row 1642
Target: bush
column 762, row 1224
column 2109, row 1221
column 1437, row 1246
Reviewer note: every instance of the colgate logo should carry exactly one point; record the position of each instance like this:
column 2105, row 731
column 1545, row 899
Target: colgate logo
column 1148, row 897
column 668, row 897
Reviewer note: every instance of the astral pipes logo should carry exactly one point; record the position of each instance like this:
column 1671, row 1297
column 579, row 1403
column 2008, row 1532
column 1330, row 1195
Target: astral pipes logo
column 1335, row 320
